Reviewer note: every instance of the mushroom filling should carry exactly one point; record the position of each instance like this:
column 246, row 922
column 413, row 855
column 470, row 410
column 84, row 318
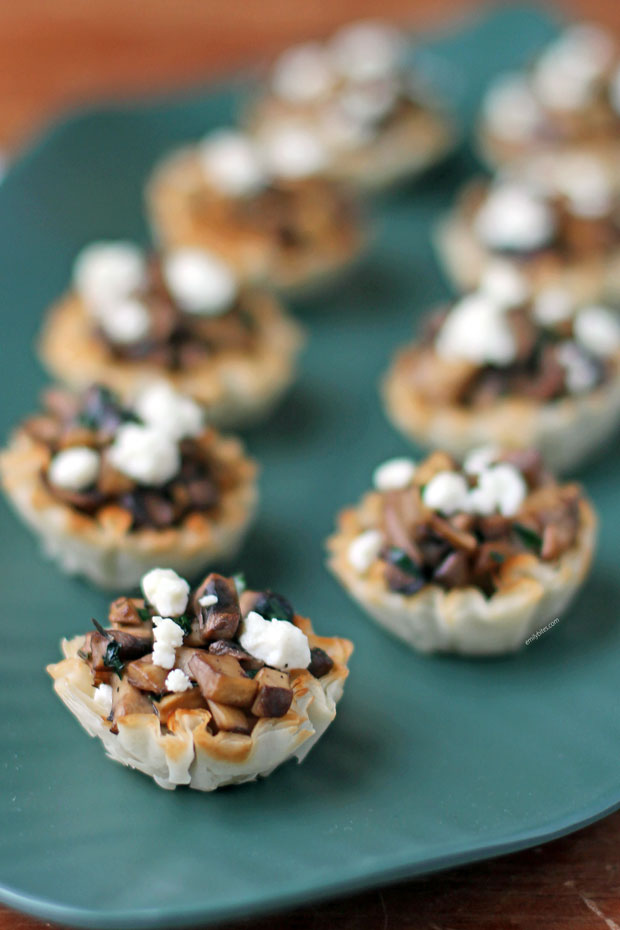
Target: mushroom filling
column 86, row 472
column 456, row 528
column 546, row 361
column 176, row 339
column 195, row 657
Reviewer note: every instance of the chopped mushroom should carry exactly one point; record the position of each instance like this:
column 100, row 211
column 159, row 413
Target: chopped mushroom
column 222, row 679
column 124, row 611
column 231, row 719
column 274, row 694
column 224, row 647
column 220, row 619
column 127, row 699
column 146, row 676
column 182, row 700
column 320, row 662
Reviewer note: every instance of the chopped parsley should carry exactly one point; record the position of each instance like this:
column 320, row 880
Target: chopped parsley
column 498, row 557
column 144, row 613
column 399, row 558
column 240, row 582
column 185, row 623
column 529, row 537
column 112, row 657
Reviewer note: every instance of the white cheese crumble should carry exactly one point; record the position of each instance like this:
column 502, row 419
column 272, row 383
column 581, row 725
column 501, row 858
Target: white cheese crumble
column 302, row 74
column 231, row 163
column 74, row 469
column 364, row 549
column 580, row 373
column 199, row 282
column 394, row 474
column 565, row 75
column 292, row 152
column 125, row 321
column 447, row 491
column 145, row 454
column 207, row 600
column 103, row 698
column 513, row 217
column 597, row 329
column 501, row 487
column 553, row 305
column 504, row 284
column 278, row 643
column 168, row 635
column 366, row 50
column 479, row 459
column 109, row 271
column 477, row 331
column 177, row 681
column 174, row 414
column 586, row 184
column 166, row 591
column 510, row 109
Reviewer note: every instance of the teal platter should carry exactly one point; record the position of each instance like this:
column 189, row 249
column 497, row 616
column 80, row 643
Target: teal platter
column 432, row 762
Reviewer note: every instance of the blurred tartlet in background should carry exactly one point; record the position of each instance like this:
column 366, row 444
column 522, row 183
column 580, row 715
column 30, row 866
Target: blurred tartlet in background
column 504, row 367
column 358, row 93
column 267, row 208
column 113, row 489
column 183, row 316
column 568, row 99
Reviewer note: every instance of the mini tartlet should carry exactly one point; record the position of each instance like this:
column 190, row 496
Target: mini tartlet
column 268, row 210
column 473, row 560
column 183, row 316
column 503, row 367
column 203, row 688
column 568, row 99
column 356, row 92
column 113, row 490
column 555, row 218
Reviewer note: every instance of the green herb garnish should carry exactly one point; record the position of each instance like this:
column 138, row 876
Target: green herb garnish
column 240, row 582
column 144, row 613
column 400, row 559
column 498, row 557
column 185, row 623
column 529, row 537
column 112, row 657
column 251, row 672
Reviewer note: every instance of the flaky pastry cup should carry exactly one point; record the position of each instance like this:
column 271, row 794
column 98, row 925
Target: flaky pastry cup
column 186, row 753
column 530, row 593
column 177, row 181
column 464, row 258
column 102, row 547
column 236, row 387
column 566, row 431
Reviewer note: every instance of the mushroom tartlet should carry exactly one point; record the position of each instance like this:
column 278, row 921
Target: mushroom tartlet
column 267, row 210
column 113, row 490
column 506, row 368
column 205, row 688
column 473, row 560
column 567, row 100
column 181, row 316
column 356, row 92
column 555, row 218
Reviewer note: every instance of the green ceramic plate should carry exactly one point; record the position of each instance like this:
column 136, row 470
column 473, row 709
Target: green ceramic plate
column 431, row 762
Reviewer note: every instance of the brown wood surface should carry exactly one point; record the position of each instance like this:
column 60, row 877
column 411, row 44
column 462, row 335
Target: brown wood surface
column 58, row 53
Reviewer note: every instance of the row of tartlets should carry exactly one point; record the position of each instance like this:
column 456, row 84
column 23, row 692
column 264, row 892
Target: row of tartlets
column 472, row 550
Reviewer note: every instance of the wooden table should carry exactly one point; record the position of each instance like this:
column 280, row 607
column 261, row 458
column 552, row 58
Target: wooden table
column 58, row 53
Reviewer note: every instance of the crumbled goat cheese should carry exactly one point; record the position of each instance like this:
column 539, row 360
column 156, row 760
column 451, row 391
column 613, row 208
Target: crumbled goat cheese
column 479, row 459
column 145, row 454
column 504, row 284
column 293, row 152
column 366, row 50
column 553, row 305
column 477, row 331
column 364, row 549
column 168, row 636
column 74, row 469
column 586, row 184
column 393, row 474
column 208, row 600
column 105, row 272
column 302, row 74
column 514, row 218
column 500, row 487
column 447, row 491
column 565, row 75
column 199, row 282
column 125, row 321
column 177, row 681
column 580, row 373
column 103, row 697
column 161, row 407
column 166, row 591
column 511, row 110
column 278, row 643
column 232, row 164
column 597, row 329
